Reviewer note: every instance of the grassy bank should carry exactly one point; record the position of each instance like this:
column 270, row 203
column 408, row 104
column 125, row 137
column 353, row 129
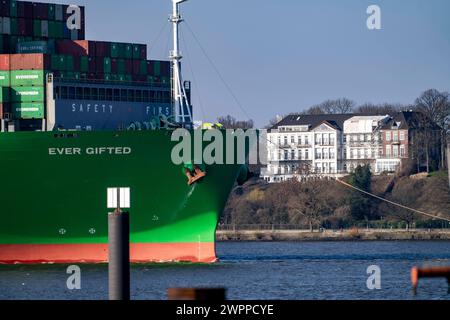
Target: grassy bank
column 346, row 235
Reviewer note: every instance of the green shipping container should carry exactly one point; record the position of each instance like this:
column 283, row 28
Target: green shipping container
column 14, row 26
column 13, row 44
column 59, row 62
column 136, row 51
column 52, row 33
column 157, row 68
column 31, row 110
column 51, row 11
column 124, row 78
column 143, row 67
column 107, row 65
column 59, row 29
column 70, row 75
column 27, row 78
column 115, row 50
column 27, row 94
column 13, row 8
column 5, row 95
column 121, row 66
column 84, row 64
column 37, row 28
column 5, row 79
column 128, row 51
column 69, row 63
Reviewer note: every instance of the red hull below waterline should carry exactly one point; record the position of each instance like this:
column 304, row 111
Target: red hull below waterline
column 98, row 253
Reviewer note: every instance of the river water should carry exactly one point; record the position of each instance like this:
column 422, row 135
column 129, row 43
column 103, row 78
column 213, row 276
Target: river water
column 254, row 271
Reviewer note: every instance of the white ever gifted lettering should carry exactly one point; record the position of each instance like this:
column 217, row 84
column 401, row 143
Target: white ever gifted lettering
column 89, row 151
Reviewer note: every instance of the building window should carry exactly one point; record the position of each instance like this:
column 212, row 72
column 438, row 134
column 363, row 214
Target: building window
column 306, row 154
column 388, row 136
column 395, row 151
column 293, row 155
column 388, row 151
column 402, row 151
column 402, row 136
column 395, row 136
column 292, row 139
column 332, row 154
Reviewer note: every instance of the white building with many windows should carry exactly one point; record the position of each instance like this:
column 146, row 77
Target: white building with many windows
column 301, row 145
column 363, row 141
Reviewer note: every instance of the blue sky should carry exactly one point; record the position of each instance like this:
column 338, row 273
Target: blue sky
column 282, row 56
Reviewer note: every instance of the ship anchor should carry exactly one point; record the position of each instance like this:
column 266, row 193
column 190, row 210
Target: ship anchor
column 195, row 176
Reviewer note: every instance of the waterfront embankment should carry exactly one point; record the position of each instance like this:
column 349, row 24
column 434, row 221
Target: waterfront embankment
column 330, row 235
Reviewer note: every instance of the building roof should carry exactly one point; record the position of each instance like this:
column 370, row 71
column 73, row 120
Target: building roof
column 313, row 121
column 407, row 120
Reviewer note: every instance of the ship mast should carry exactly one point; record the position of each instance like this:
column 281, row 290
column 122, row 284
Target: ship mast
column 182, row 109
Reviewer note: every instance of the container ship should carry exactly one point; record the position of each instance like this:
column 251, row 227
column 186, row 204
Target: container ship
column 79, row 117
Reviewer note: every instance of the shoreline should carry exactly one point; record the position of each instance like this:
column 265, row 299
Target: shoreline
column 346, row 235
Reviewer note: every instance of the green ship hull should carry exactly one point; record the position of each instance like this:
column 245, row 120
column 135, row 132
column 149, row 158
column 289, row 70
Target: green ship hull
column 53, row 197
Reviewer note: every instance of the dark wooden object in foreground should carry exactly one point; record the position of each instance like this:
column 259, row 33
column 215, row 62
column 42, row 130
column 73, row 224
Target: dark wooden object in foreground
column 432, row 272
column 197, row 294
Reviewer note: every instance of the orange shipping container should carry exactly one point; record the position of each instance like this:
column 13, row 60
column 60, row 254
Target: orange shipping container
column 35, row 61
column 4, row 62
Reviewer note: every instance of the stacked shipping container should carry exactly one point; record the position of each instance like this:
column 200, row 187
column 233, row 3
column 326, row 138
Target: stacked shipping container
column 113, row 61
column 34, row 40
column 27, row 84
column 5, row 83
column 22, row 21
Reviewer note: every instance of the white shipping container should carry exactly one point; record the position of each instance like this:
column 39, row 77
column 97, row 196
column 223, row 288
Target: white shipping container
column 44, row 26
column 6, row 25
column 59, row 12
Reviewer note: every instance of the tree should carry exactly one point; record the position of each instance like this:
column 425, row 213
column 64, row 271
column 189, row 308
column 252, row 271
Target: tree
column 273, row 122
column 306, row 202
column 436, row 106
column 361, row 208
column 230, row 122
column 425, row 141
column 337, row 106
column 381, row 109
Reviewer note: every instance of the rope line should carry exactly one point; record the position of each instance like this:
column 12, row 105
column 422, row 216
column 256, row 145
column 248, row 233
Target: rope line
column 196, row 85
column 393, row 203
column 218, row 72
